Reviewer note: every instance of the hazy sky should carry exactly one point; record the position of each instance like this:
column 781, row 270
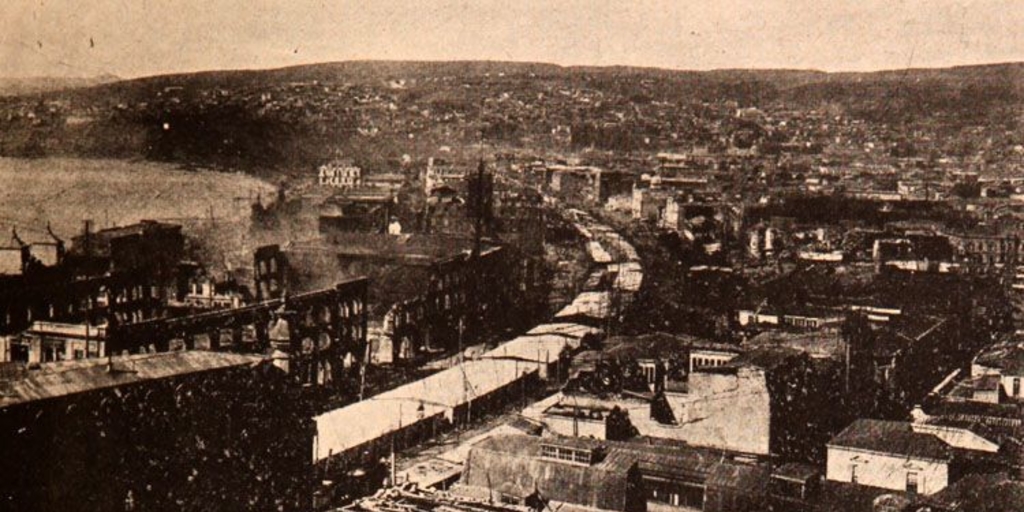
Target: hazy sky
column 143, row 37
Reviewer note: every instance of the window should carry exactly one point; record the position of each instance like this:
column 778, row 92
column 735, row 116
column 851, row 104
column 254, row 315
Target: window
column 683, row 494
column 581, row 457
column 1016, row 387
column 912, row 482
column 508, row 499
column 853, row 473
column 549, row 452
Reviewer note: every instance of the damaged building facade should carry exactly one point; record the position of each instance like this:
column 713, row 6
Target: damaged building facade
column 429, row 292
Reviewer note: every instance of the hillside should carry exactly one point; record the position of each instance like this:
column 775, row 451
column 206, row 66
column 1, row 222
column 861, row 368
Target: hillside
column 296, row 116
column 19, row 86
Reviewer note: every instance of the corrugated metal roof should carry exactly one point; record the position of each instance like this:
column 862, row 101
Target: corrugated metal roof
column 359, row 423
column 61, row 379
column 455, row 386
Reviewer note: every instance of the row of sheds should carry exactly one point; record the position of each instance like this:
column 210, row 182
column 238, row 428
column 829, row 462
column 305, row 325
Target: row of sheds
column 366, row 430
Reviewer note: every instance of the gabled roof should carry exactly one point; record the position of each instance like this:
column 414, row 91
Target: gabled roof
column 891, row 437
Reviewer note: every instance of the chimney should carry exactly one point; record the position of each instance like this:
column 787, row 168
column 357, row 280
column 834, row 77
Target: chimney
column 917, row 414
column 87, row 237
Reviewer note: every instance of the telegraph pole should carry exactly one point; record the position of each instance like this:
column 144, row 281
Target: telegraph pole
column 478, row 209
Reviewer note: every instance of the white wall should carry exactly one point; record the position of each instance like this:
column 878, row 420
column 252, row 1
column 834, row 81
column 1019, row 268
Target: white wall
column 709, row 359
column 1006, row 381
column 886, row 471
column 563, row 425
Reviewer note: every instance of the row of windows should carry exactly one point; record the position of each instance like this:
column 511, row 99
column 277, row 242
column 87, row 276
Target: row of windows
column 802, row 322
column 677, row 495
column 703, row 362
column 565, row 454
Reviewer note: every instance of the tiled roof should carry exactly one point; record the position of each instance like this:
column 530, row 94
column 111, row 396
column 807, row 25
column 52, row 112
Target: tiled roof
column 891, row 437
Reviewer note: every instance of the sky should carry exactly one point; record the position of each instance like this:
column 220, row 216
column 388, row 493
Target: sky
column 131, row 38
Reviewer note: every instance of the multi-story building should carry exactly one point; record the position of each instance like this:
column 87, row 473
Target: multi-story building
column 440, row 173
column 171, row 431
column 429, row 291
column 52, row 341
column 116, row 276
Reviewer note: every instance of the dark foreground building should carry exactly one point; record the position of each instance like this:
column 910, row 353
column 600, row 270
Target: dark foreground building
column 642, row 474
column 175, row 431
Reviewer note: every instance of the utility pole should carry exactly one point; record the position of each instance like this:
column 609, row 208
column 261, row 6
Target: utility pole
column 575, row 417
column 847, row 370
column 478, row 209
column 394, row 462
column 462, row 328
column 362, row 371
